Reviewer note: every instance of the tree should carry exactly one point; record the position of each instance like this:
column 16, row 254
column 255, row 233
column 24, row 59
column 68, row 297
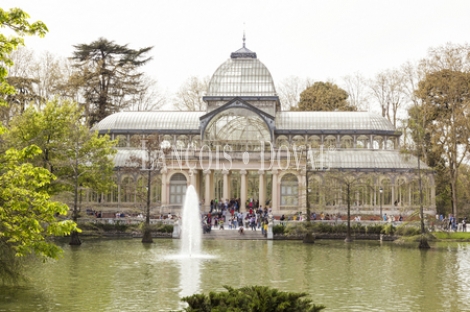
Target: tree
column 151, row 161
column 357, row 89
column 348, row 184
column 446, row 100
column 189, row 95
column 251, row 299
column 389, row 91
column 148, row 96
column 109, row 76
column 289, row 90
column 324, row 96
column 27, row 214
column 17, row 20
column 87, row 165
column 78, row 157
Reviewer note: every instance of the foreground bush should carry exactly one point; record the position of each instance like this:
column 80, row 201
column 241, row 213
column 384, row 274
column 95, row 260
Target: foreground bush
column 279, row 229
column 250, row 299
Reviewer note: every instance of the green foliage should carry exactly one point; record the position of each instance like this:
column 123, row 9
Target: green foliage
column 406, row 230
column 374, row 229
column 295, row 229
column 16, row 20
column 165, row 228
column 452, row 235
column 388, row 229
column 251, row 299
column 279, row 229
column 27, row 215
column 324, row 96
column 78, row 157
column 299, row 229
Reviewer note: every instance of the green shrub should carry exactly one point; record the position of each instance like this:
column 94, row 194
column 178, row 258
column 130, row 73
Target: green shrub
column 251, row 299
column 279, row 229
column 404, row 230
column 357, row 228
column 165, row 228
column 340, row 228
column 295, row 229
column 321, row 227
column 374, row 229
column 388, row 229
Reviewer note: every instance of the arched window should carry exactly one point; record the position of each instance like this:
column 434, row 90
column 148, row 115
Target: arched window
column 156, row 194
column 347, row 141
column 237, row 124
column 289, row 190
column 314, row 141
column 330, row 142
column 122, row 140
column 127, row 190
column 177, row 188
column 282, row 141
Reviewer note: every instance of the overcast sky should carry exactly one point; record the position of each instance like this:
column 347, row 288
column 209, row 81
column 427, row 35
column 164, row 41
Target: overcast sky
column 323, row 40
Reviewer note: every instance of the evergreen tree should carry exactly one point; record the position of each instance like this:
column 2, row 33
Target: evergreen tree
column 108, row 76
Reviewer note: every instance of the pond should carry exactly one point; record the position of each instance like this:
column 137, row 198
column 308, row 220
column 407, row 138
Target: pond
column 124, row 275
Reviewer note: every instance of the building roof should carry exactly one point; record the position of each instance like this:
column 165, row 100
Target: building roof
column 355, row 121
column 184, row 121
column 150, row 121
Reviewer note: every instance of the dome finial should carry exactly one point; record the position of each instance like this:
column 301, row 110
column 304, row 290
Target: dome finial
column 244, row 35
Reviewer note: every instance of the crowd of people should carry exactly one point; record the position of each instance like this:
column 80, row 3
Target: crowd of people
column 226, row 214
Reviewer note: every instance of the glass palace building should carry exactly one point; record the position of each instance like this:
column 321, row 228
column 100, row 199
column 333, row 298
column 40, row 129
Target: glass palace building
column 245, row 147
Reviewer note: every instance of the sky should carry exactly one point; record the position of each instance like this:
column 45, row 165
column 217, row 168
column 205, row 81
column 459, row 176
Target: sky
column 321, row 40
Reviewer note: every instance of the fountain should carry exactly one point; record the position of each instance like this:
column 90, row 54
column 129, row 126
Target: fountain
column 190, row 258
column 191, row 228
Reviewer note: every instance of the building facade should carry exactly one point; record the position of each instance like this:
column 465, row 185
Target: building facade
column 245, row 147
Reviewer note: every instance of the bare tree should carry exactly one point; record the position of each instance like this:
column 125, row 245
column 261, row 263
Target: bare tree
column 357, row 88
column 23, row 59
column 50, row 72
column 387, row 88
column 189, row 96
column 289, row 90
column 149, row 97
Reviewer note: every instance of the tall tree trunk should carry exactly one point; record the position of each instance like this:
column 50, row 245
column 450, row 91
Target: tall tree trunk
column 74, row 239
column 348, row 193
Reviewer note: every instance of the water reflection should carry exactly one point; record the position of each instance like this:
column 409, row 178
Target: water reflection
column 121, row 275
column 190, row 276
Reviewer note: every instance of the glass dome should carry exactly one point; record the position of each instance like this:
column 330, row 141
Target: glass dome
column 242, row 76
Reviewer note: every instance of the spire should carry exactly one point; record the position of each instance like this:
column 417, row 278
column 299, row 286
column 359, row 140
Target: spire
column 243, row 52
column 244, row 35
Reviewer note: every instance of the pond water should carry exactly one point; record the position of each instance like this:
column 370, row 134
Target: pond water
column 124, row 275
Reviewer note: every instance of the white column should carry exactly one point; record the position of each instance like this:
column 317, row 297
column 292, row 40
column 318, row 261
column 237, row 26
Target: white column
column 211, row 184
column 262, row 188
column 229, row 185
column 275, row 193
column 243, row 190
column 207, row 193
column 225, row 190
column 164, row 187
